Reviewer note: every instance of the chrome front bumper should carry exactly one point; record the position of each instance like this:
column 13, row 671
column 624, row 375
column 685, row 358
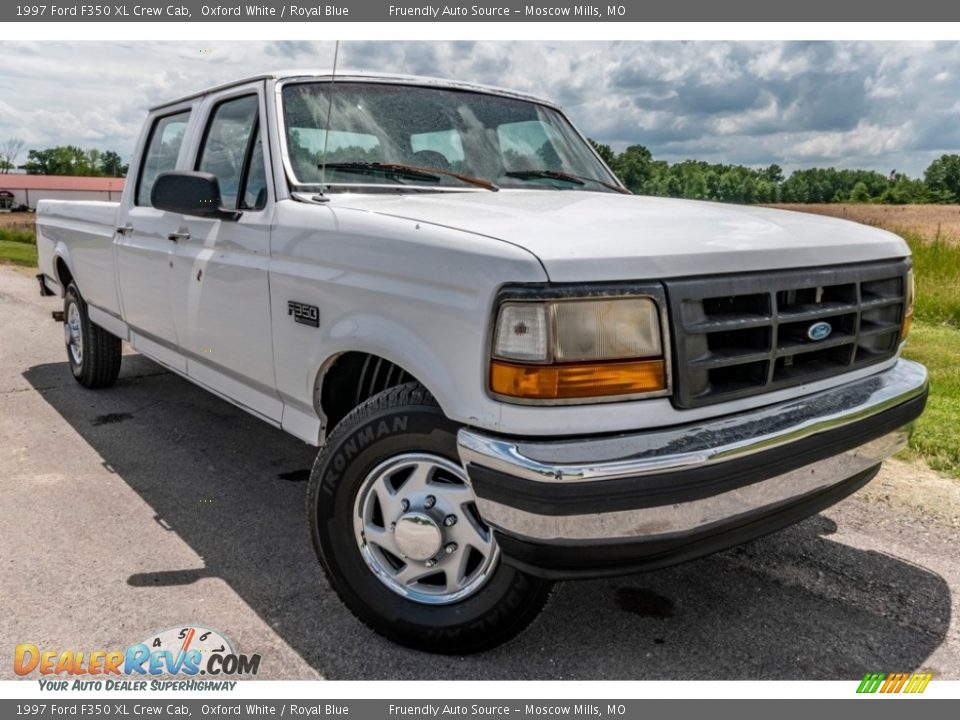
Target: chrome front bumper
column 678, row 482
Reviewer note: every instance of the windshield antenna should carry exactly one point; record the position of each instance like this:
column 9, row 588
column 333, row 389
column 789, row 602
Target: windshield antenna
column 326, row 133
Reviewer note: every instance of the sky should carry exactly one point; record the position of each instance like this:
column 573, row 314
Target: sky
column 873, row 105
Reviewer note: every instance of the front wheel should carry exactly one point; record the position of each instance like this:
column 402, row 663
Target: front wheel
column 395, row 525
column 94, row 354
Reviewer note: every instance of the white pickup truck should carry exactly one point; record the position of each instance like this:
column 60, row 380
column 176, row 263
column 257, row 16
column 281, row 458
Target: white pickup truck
column 515, row 371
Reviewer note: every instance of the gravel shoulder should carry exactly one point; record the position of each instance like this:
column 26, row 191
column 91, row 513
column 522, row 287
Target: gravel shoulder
column 912, row 488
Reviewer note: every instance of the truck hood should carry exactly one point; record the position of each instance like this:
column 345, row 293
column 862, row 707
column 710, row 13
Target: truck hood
column 586, row 236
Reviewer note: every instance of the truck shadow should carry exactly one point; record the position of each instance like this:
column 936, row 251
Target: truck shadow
column 795, row 605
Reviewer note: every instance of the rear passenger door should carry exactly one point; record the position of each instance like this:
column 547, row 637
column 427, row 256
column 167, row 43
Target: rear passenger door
column 219, row 290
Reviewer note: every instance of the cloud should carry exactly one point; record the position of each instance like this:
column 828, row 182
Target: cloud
column 872, row 105
column 861, row 140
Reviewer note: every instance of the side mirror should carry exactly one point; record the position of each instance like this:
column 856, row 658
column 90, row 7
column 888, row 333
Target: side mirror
column 190, row 193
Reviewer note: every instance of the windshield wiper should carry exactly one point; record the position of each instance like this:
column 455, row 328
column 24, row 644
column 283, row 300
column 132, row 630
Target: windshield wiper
column 412, row 172
column 563, row 176
column 371, row 168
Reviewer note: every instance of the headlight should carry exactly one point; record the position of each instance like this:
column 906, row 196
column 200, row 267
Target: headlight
column 522, row 332
column 908, row 307
column 569, row 349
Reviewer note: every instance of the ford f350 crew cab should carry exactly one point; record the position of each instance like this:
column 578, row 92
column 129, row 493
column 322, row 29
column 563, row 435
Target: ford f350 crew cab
column 515, row 371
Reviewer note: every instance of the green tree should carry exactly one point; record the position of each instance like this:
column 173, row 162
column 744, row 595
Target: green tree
column 902, row 190
column 61, row 160
column 772, row 174
column 860, row 194
column 942, row 178
column 698, row 179
column 72, row 160
column 633, row 166
column 766, row 191
column 112, row 165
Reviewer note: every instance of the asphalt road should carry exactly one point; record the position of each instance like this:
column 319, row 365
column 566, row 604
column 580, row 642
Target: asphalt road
column 154, row 504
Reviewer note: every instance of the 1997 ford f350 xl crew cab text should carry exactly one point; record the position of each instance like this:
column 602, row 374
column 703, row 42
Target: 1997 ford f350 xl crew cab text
column 515, row 371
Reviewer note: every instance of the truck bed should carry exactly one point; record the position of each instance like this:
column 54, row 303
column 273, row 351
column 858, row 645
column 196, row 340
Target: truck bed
column 83, row 233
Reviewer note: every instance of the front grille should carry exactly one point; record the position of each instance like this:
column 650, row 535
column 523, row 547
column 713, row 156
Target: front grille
column 740, row 335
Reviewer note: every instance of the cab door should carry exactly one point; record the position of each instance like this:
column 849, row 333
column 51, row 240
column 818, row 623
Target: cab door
column 219, row 289
column 143, row 248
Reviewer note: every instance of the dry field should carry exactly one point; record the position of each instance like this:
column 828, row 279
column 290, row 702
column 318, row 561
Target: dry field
column 926, row 220
column 21, row 221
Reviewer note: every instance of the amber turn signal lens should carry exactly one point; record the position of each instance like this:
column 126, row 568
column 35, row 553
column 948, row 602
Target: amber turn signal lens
column 906, row 325
column 911, row 293
column 577, row 380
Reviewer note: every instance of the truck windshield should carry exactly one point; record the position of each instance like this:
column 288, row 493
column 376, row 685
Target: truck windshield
column 391, row 134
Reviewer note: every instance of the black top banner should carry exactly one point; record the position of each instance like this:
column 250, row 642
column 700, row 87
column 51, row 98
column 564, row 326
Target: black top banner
column 486, row 11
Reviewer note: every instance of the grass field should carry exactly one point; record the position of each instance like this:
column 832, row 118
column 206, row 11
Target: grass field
column 935, row 340
column 937, row 436
column 17, row 245
column 936, row 266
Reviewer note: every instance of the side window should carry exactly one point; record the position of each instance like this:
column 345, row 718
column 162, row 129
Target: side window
column 163, row 146
column 233, row 152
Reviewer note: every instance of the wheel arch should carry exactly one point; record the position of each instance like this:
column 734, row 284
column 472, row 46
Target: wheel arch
column 350, row 377
column 62, row 267
column 386, row 346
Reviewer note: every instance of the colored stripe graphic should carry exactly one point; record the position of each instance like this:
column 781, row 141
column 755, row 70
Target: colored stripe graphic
column 894, row 683
column 926, row 678
column 870, row 682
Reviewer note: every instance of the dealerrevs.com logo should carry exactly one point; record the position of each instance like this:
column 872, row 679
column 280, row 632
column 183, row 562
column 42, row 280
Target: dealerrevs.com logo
column 185, row 652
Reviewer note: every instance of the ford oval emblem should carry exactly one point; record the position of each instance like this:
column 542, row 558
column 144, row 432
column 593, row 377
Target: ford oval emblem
column 819, row 330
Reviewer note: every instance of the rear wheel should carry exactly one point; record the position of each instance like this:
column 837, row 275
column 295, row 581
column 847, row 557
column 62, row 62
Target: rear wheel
column 395, row 524
column 94, row 354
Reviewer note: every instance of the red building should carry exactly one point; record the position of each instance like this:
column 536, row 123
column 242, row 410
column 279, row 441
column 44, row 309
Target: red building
column 29, row 189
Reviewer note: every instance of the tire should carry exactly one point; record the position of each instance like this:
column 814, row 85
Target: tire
column 93, row 353
column 474, row 601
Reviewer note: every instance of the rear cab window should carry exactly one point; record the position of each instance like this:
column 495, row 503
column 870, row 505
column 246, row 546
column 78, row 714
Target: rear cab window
column 529, row 144
column 444, row 146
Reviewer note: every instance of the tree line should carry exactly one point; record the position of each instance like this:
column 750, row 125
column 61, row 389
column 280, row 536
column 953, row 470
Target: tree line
column 62, row 160
column 697, row 179
column 639, row 171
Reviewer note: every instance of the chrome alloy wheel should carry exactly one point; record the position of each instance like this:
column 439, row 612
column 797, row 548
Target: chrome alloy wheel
column 73, row 334
column 416, row 523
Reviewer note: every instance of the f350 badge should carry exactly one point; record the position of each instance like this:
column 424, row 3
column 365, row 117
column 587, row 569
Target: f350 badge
column 303, row 313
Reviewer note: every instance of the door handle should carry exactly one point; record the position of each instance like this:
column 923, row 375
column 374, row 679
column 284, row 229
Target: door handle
column 179, row 235
column 125, row 229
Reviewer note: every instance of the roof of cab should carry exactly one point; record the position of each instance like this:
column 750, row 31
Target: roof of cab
column 360, row 76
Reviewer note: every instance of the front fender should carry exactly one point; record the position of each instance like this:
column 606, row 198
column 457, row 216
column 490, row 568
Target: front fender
column 402, row 345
